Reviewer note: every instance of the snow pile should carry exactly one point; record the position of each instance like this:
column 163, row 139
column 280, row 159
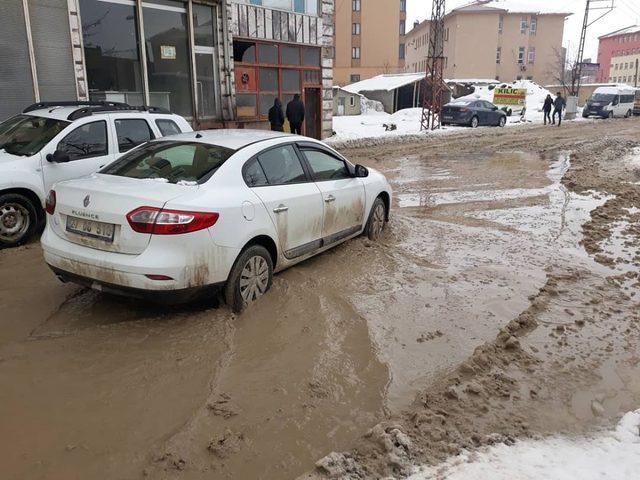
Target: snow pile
column 370, row 106
column 527, row 6
column 613, row 455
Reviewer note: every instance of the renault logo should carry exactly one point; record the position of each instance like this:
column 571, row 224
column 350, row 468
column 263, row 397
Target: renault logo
column 86, row 201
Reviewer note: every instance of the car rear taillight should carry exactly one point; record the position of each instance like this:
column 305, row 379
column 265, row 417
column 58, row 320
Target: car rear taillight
column 464, row 109
column 50, row 202
column 158, row 221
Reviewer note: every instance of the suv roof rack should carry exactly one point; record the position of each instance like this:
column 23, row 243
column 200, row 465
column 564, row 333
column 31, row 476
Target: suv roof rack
column 113, row 107
column 89, row 108
column 41, row 105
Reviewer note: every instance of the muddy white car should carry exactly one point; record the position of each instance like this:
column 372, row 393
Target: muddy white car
column 53, row 141
column 224, row 207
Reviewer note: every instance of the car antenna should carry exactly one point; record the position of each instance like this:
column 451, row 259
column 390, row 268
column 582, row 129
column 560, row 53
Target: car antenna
column 198, row 135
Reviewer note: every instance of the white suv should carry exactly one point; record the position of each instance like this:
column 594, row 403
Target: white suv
column 53, row 141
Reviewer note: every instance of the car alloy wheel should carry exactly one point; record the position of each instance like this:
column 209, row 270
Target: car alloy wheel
column 474, row 122
column 14, row 222
column 254, row 279
column 377, row 219
column 503, row 121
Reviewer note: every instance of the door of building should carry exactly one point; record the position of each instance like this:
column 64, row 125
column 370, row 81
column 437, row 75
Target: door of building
column 312, row 117
column 206, row 84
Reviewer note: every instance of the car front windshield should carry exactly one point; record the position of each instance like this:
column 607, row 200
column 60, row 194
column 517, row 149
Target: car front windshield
column 171, row 162
column 26, row 135
column 603, row 97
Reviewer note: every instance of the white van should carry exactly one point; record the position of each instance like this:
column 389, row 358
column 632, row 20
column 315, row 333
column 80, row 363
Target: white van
column 609, row 102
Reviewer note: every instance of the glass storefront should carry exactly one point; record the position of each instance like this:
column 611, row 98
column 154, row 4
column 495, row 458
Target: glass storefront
column 116, row 37
column 266, row 71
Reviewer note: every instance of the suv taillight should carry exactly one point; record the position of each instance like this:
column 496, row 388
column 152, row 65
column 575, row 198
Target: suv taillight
column 50, row 202
column 158, row 221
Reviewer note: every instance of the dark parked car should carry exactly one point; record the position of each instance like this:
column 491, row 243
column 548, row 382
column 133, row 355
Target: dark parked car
column 473, row 113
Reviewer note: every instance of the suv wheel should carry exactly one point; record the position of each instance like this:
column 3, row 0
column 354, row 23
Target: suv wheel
column 18, row 219
column 250, row 278
column 377, row 220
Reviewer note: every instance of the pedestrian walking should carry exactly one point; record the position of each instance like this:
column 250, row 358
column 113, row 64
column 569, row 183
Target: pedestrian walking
column 547, row 107
column 276, row 116
column 559, row 104
column 295, row 114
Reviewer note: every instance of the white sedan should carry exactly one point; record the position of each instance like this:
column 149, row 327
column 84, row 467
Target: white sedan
column 210, row 208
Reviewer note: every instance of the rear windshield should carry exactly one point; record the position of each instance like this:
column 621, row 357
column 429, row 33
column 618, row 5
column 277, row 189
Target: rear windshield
column 172, row 162
column 603, row 97
column 27, row 135
column 463, row 103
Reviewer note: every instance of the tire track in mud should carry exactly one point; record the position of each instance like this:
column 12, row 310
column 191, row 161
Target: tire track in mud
column 549, row 369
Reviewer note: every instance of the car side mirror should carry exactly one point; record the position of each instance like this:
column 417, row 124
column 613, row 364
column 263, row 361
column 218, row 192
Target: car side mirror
column 58, row 157
column 361, row 171
column 494, row 108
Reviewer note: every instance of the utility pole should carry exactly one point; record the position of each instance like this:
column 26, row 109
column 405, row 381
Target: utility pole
column 576, row 71
column 434, row 76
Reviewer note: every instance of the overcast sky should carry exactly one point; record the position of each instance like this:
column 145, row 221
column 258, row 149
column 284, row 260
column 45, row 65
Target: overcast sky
column 625, row 13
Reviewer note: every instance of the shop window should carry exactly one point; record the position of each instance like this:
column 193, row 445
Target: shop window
column 168, row 58
column 244, row 52
column 311, row 57
column 290, row 55
column 268, row 54
column 203, row 25
column 269, row 79
column 246, row 105
column 110, row 47
column 291, row 80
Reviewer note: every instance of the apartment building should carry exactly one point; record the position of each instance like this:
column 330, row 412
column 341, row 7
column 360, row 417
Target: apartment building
column 497, row 39
column 369, row 39
column 218, row 63
column 617, row 53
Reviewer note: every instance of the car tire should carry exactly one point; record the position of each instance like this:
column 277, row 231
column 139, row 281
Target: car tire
column 610, row 115
column 628, row 114
column 474, row 122
column 250, row 278
column 18, row 219
column 377, row 219
column 502, row 122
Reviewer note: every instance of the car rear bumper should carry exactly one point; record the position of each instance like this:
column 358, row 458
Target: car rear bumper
column 164, row 297
column 188, row 264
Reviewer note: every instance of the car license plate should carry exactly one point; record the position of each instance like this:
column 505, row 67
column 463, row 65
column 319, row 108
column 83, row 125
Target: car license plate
column 90, row 228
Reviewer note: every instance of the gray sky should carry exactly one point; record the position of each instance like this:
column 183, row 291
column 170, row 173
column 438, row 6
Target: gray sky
column 625, row 13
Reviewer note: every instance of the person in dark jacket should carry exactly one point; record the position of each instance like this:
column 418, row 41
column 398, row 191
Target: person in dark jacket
column 558, row 104
column 546, row 108
column 295, row 114
column 276, row 116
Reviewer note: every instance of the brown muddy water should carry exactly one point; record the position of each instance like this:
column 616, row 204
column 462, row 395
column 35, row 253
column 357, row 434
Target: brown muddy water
column 95, row 386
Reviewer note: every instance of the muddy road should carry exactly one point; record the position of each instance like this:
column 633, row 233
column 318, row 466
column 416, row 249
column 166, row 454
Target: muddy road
column 492, row 242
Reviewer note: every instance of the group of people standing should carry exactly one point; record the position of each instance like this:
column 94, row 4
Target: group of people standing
column 557, row 105
column 294, row 113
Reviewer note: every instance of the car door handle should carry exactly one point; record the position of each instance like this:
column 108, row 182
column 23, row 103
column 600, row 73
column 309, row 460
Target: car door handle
column 330, row 199
column 280, row 209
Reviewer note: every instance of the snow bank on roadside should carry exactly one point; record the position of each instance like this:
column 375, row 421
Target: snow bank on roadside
column 535, row 93
column 612, row 455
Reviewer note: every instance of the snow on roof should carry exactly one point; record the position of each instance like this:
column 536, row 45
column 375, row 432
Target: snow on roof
column 384, row 82
column 623, row 31
column 476, row 81
column 512, row 6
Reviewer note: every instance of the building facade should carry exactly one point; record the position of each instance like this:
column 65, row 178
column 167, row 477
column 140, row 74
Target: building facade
column 369, row 39
column 490, row 39
column 218, row 63
column 616, row 51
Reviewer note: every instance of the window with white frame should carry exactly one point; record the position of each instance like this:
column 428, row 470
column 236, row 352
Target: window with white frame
column 355, row 53
column 355, row 29
column 533, row 29
column 498, row 54
column 532, row 55
column 523, row 25
column 355, row 5
column 309, row 7
column 521, row 51
column 501, row 24
column 403, row 27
